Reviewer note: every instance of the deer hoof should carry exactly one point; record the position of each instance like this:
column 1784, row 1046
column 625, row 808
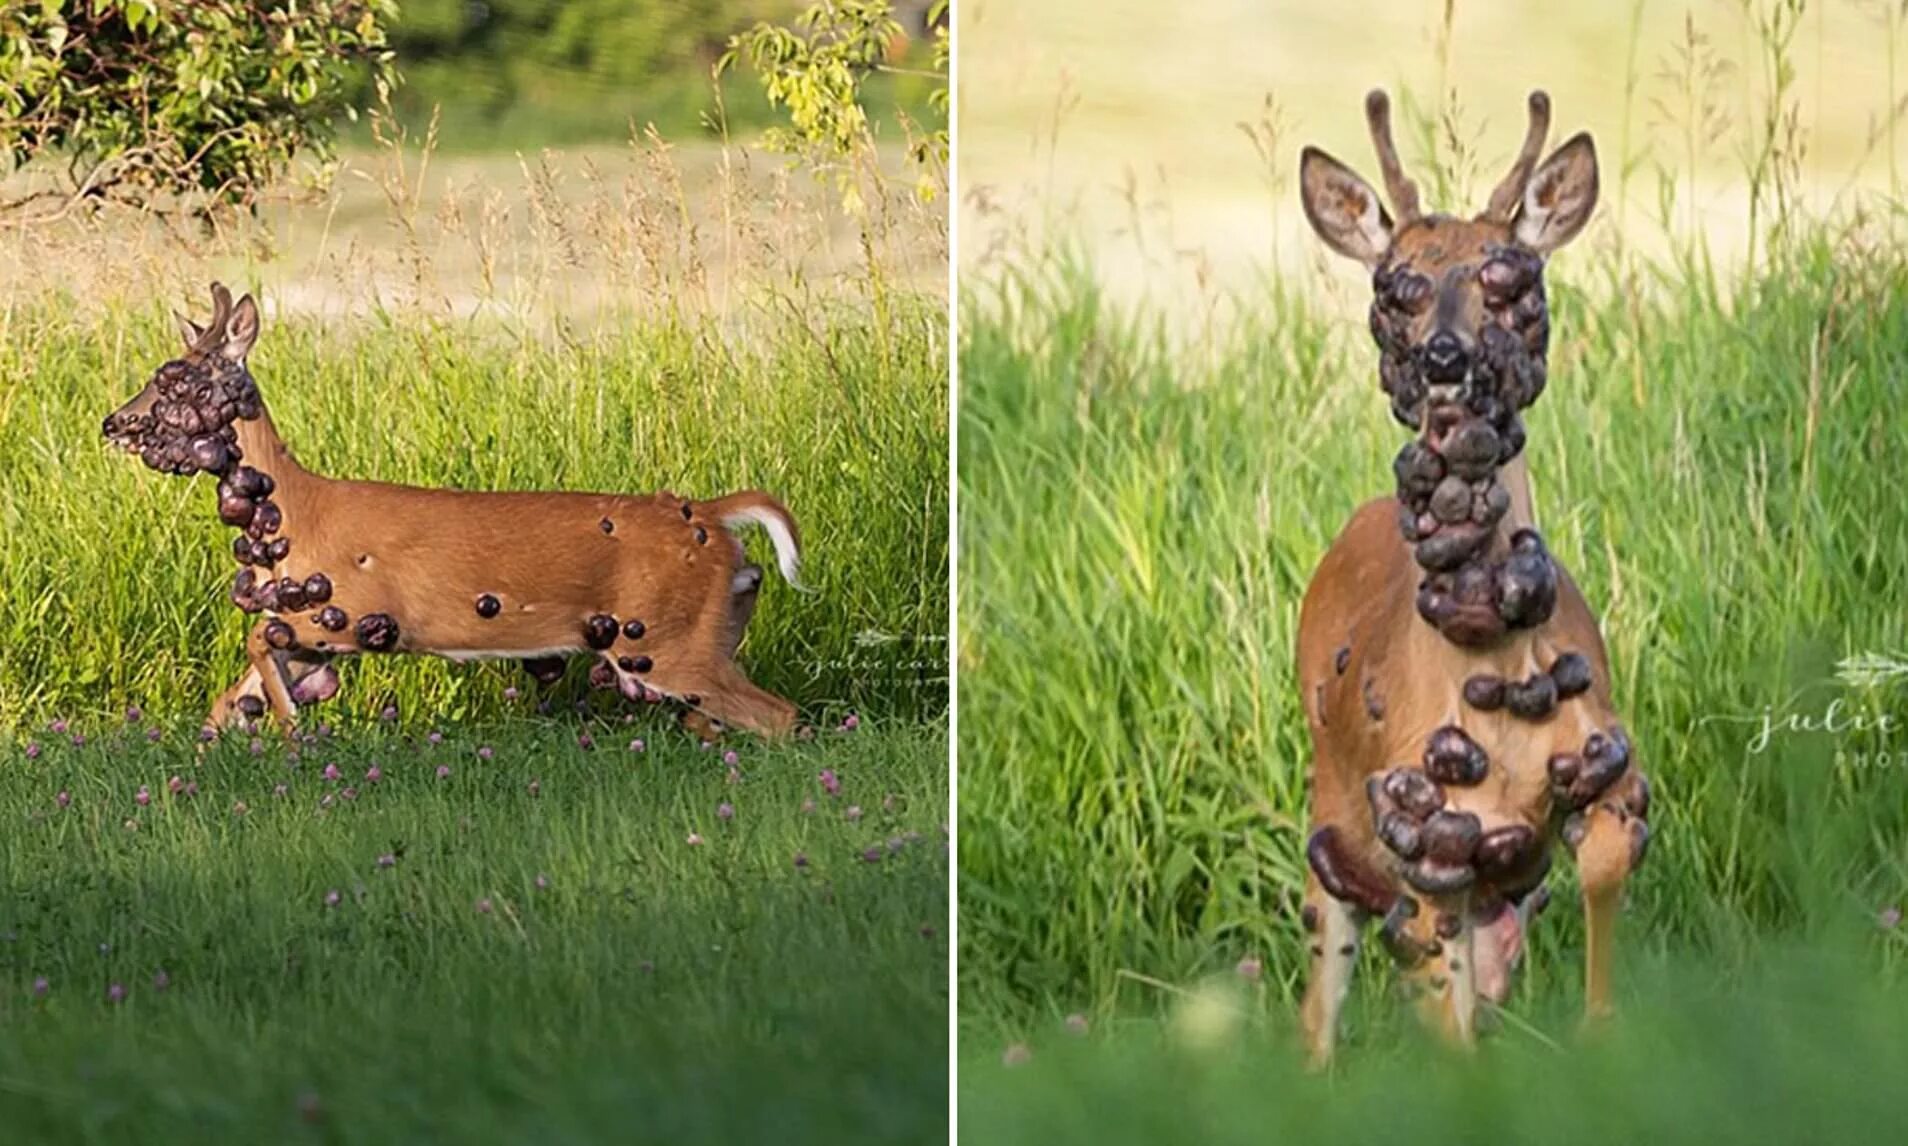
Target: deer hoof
column 1452, row 757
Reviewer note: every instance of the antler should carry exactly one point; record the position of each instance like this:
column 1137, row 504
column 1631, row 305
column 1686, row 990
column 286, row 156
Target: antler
column 1403, row 192
column 1510, row 192
column 213, row 332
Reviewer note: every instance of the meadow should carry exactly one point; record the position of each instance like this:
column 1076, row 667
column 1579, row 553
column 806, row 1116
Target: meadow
column 455, row 907
column 1149, row 472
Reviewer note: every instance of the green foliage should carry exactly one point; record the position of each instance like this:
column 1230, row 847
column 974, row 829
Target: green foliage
column 1139, row 523
column 142, row 98
column 817, row 67
column 624, row 985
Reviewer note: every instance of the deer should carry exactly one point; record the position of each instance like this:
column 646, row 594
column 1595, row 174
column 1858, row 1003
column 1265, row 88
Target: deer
column 656, row 589
column 1455, row 683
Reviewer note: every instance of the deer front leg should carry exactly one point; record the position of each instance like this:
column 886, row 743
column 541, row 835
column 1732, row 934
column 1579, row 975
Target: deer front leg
column 1437, row 951
column 270, row 662
column 1332, row 931
column 1609, row 835
column 229, row 710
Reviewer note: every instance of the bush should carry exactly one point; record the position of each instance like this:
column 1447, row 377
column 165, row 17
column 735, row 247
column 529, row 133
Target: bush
column 143, row 99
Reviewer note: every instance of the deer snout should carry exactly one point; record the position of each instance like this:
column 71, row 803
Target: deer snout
column 1446, row 359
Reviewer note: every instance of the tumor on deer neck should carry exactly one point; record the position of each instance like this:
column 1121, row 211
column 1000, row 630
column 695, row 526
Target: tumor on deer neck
column 1464, row 393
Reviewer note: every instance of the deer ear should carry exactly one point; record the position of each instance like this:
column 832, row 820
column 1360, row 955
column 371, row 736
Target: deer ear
column 241, row 330
column 1560, row 196
column 189, row 330
column 1343, row 208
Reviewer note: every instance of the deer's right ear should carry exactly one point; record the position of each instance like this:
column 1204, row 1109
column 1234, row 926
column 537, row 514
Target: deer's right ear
column 189, row 330
column 241, row 330
column 1343, row 208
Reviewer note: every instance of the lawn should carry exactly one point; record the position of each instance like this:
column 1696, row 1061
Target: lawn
column 493, row 937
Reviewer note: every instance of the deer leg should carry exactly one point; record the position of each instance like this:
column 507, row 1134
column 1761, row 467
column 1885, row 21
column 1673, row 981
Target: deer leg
column 725, row 695
column 228, row 711
column 1609, row 839
column 1332, row 928
column 744, row 588
column 274, row 678
column 1443, row 971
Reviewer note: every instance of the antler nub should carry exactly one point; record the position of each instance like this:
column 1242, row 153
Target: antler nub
column 1403, row 192
column 1510, row 192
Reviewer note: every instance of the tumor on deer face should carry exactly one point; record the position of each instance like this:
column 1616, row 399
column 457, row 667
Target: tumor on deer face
column 1458, row 308
column 181, row 422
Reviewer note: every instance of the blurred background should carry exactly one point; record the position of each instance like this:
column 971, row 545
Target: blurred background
column 1164, row 139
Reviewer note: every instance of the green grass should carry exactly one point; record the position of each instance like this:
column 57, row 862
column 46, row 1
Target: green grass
column 112, row 578
column 1714, row 462
column 654, row 989
column 649, row 989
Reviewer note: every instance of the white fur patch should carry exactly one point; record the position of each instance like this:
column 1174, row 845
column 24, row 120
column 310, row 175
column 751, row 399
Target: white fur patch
column 788, row 555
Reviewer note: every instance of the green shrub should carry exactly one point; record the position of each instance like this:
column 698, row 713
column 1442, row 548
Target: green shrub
column 216, row 97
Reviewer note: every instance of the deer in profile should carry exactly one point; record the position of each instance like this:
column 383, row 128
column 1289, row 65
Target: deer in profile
column 656, row 588
column 1454, row 680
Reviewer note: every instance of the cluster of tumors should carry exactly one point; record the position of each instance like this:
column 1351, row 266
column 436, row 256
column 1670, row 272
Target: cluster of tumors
column 1451, row 503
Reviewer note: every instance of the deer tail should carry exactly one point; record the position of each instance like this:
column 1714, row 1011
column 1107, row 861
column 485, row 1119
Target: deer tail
column 753, row 507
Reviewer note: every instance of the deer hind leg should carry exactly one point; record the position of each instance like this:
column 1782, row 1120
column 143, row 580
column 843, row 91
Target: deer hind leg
column 744, row 588
column 1332, row 931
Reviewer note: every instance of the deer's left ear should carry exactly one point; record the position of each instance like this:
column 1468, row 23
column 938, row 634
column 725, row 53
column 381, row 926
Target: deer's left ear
column 1560, row 196
column 189, row 330
column 241, row 330
column 1343, row 208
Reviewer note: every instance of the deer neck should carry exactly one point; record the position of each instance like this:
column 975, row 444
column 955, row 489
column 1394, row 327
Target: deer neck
column 265, row 450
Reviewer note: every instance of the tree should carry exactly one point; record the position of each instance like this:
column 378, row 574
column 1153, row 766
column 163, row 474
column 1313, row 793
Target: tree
column 141, row 99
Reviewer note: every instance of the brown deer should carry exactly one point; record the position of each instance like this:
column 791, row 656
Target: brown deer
column 656, row 587
column 1454, row 681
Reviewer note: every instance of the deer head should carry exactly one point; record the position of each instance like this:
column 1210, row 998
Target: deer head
column 181, row 421
column 1458, row 307
column 1462, row 328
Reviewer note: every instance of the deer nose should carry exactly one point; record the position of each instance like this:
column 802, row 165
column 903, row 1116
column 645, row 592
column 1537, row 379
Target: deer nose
column 1445, row 359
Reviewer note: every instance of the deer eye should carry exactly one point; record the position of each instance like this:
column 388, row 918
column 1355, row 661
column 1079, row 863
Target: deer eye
column 1408, row 291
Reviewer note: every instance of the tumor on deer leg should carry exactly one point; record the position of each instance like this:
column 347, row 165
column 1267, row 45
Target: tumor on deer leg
column 1406, row 949
column 317, row 589
column 599, row 631
column 378, row 632
column 1484, row 692
column 331, row 618
column 1578, row 780
column 602, row 675
column 1571, row 672
column 279, row 635
column 1533, row 699
column 1343, row 876
column 1452, row 757
column 316, row 686
column 251, row 707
